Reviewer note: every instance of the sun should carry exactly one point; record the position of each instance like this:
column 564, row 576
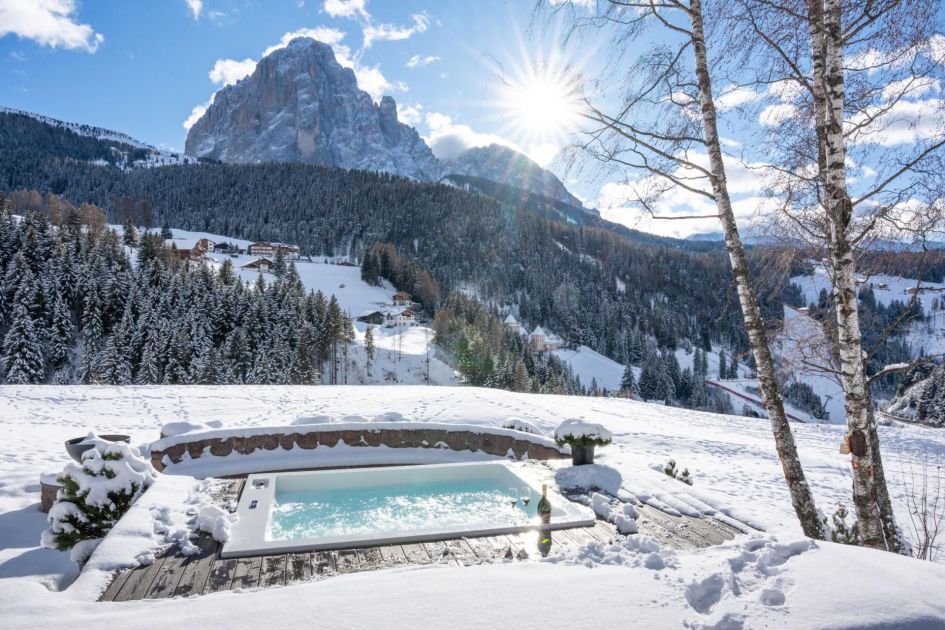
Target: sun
column 543, row 105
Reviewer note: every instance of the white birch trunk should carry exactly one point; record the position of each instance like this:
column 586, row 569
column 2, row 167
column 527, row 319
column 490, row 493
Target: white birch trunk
column 801, row 496
column 826, row 43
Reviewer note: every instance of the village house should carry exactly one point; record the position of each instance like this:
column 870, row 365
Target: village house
column 511, row 325
column 543, row 341
column 398, row 317
column 372, row 317
column 265, row 248
column 205, row 245
column 262, row 265
column 402, row 298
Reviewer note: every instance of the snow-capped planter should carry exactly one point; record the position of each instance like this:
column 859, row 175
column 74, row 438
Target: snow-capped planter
column 95, row 495
column 76, row 447
column 582, row 437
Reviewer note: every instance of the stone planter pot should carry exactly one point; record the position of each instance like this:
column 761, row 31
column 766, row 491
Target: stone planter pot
column 75, row 448
column 582, row 455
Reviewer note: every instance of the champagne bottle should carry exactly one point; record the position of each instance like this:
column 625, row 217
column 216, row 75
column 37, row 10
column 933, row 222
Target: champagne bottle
column 544, row 505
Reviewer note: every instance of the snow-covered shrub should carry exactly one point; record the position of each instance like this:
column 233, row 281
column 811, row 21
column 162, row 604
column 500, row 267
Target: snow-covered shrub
column 517, row 424
column 96, row 494
column 577, row 432
column 670, row 470
column 840, row 532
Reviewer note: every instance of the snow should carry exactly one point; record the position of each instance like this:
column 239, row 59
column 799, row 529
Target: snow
column 590, row 365
column 774, row 578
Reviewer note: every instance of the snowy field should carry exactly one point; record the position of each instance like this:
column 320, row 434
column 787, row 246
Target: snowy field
column 773, row 578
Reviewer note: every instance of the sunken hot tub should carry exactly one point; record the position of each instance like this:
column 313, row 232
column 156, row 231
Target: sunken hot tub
column 366, row 507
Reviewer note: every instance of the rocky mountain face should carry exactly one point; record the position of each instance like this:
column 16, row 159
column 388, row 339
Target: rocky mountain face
column 507, row 166
column 301, row 105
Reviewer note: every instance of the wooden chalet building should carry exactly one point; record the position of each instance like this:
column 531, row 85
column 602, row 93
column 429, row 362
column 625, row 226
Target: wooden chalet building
column 262, row 265
column 265, row 248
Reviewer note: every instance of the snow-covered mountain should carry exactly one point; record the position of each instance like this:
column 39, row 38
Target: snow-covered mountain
column 301, row 105
column 124, row 150
column 507, row 166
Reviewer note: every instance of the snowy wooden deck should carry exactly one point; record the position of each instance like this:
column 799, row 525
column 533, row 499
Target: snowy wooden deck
column 175, row 575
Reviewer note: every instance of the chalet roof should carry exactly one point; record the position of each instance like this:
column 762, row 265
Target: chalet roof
column 510, row 319
column 256, row 263
column 538, row 332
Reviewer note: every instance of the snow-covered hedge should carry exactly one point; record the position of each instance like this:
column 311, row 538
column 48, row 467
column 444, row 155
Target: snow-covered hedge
column 517, row 424
column 577, row 432
column 95, row 495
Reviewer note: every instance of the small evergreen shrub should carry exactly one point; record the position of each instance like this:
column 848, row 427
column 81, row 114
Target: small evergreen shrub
column 670, row 470
column 576, row 432
column 840, row 531
column 96, row 494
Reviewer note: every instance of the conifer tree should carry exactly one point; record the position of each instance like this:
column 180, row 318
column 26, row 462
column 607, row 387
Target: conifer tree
column 22, row 350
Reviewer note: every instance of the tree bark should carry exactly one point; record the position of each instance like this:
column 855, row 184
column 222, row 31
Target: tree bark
column 828, row 95
column 801, row 496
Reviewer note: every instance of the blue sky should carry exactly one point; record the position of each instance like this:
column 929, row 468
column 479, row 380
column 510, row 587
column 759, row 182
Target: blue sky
column 142, row 67
column 146, row 67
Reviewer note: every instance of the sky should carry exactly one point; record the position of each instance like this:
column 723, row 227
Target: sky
column 462, row 72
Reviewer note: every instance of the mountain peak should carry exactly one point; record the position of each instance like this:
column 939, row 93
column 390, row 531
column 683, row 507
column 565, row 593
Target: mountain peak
column 503, row 164
column 301, row 105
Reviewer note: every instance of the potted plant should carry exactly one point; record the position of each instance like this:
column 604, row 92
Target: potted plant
column 582, row 437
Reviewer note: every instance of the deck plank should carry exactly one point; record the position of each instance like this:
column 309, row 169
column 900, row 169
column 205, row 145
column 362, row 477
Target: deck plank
column 416, row 554
column 393, row 555
column 298, row 568
column 673, row 527
column 484, row 551
column 197, row 569
column 221, row 575
column 272, row 572
column 139, row 582
column 346, row 561
column 166, row 580
column 323, row 564
column 118, row 580
column 371, row 559
column 246, row 574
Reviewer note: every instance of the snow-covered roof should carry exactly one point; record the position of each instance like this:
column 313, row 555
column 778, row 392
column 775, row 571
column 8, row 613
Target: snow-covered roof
column 510, row 319
column 538, row 332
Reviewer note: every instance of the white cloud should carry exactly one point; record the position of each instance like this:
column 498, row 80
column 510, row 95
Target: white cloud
column 906, row 122
column 49, row 23
column 196, row 7
column 391, row 33
column 196, row 113
column 448, row 139
column 616, row 201
column 345, row 8
column 229, row 71
column 774, row 115
column 736, row 97
column 410, row 114
column 324, row 34
column 419, row 61
column 16, row 55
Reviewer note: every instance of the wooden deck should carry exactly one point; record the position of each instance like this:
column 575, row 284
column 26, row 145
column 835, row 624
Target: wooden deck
column 175, row 575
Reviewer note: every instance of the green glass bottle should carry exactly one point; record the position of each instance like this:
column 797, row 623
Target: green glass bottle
column 544, row 505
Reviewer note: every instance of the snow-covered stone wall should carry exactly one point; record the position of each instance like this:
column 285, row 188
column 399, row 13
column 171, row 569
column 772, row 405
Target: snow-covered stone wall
column 186, row 447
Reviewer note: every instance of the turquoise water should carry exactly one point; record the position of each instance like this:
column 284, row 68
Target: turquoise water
column 394, row 508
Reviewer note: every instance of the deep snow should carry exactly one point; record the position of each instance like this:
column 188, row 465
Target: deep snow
column 773, row 578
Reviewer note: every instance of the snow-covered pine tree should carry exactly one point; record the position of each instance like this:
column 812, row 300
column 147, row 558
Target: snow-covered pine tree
column 22, row 350
column 628, row 384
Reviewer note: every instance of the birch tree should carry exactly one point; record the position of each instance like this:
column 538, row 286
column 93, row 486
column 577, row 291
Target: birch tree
column 855, row 149
column 666, row 127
